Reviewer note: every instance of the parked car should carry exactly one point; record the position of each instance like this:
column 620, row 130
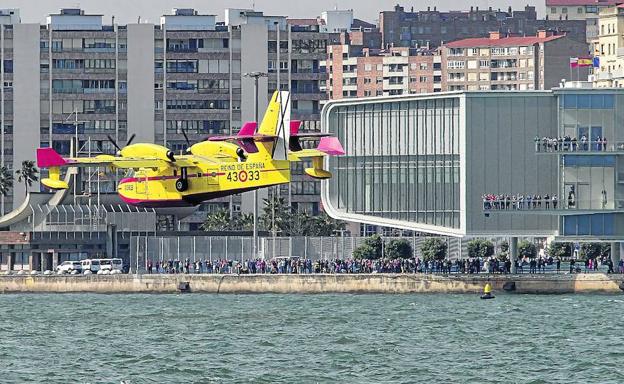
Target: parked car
column 111, row 264
column 92, row 265
column 69, row 266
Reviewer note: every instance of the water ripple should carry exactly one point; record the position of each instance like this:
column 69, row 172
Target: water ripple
column 84, row 338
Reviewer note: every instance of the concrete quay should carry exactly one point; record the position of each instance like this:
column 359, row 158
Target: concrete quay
column 314, row 284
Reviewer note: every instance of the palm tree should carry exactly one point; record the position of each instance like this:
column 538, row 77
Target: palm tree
column 244, row 222
column 217, row 221
column 6, row 180
column 27, row 174
column 324, row 225
column 276, row 214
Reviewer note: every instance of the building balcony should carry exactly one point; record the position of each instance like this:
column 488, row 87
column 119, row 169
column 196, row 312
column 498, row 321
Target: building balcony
column 576, row 147
column 565, row 207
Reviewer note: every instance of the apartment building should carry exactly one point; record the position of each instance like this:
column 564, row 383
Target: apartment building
column 432, row 28
column 8, row 18
column 587, row 10
column 80, row 79
column 502, row 62
column 608, row 48
column 355, row 71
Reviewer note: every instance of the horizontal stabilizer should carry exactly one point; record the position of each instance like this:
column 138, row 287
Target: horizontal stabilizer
column 54, row 184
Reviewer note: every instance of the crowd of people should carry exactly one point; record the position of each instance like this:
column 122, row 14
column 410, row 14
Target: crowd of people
column 540, row 264
column 569, row 144
column 519, row 201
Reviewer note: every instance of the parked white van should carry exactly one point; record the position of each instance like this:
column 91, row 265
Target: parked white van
column 111, row 264
column 92, row 265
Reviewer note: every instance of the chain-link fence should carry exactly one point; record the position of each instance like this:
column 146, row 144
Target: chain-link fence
column 212, row 248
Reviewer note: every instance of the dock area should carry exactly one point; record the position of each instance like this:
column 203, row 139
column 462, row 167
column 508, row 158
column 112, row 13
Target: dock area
column 314, row 283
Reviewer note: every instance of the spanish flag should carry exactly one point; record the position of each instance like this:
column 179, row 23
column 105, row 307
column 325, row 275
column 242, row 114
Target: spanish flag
column 582, row 62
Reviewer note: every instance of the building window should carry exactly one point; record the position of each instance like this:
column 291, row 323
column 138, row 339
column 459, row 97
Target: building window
column 564, row 10
column 579, row 10
column 553, row 10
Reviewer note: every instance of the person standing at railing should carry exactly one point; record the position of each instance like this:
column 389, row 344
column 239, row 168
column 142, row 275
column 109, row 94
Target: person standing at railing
column 584, row 143
column 598, row 143
column 537, row 143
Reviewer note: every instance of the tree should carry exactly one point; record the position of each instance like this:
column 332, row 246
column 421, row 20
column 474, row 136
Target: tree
column 27, row 174
column 480, row 248
column 6, row 180
column 276, row 214
column 434, row 248
column 243, row 222
column 399, row 249
column 217, row 221
column 527, row 249
column 297, row 224
column 325, row 225
column 371, row 249
column 560, row 249
column 594, row 250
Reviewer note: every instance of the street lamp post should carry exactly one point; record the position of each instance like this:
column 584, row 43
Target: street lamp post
column 255, row 76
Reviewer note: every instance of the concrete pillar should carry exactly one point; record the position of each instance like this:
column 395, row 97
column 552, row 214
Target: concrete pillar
column 513, row 253
column 10, row 261
column 111, row 240
column 616, row 249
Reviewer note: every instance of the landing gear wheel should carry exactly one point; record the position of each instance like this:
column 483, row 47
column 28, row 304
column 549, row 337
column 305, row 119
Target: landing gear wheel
column 181, row 185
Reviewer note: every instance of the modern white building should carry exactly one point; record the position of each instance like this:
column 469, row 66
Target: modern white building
column 424, row 162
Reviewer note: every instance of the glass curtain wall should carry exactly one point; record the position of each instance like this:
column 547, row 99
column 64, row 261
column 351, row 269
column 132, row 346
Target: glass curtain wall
column 401, row 162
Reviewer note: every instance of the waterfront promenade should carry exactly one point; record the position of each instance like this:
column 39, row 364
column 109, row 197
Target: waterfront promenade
column 314, row 283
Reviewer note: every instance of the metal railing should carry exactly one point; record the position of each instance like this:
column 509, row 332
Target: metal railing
column 575, row 146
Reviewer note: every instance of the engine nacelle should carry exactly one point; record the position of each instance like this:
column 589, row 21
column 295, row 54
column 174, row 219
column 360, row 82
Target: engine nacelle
column 148, row 150
column 211, row 148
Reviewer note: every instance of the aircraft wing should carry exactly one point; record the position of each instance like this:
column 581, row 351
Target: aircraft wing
column 48, row 157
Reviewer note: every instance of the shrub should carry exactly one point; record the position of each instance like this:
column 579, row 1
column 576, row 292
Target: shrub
column 560, row 249
column 371, row 249
column 480, row 248
column 434, row 249
column 527, row 249
column 398, row 249
column 594, row 250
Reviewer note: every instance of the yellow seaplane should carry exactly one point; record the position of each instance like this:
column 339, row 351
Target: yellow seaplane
column 257, row 157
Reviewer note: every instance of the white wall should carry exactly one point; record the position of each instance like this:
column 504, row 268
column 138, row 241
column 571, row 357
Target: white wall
column 141, row 82
column 26, row 105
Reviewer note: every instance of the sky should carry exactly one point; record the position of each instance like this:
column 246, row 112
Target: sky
column 128, row 11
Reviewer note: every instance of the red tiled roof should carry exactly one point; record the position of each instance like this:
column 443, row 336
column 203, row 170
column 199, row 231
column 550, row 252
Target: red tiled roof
column 556, row 3
column 502, row 42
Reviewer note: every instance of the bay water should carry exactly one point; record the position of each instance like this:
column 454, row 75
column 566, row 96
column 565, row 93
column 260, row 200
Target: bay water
column 202, row 338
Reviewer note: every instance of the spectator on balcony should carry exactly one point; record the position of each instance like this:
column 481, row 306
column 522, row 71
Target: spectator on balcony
column 604, row 143
column 574, row 144
column 584, row 143
column 598, row 143
column 537, row 143
column 547, row 201
column 554, row 201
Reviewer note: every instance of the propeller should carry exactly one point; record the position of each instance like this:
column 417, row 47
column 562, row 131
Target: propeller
column 188, row 142
column 115, row 143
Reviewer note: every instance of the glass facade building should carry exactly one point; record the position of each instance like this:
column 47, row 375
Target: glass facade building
column 402, row 162
column 424, row 162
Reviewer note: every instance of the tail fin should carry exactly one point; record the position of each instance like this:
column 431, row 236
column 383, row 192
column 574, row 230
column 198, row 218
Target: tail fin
column 49, row 158
column 276, row 122
column 248, row 129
